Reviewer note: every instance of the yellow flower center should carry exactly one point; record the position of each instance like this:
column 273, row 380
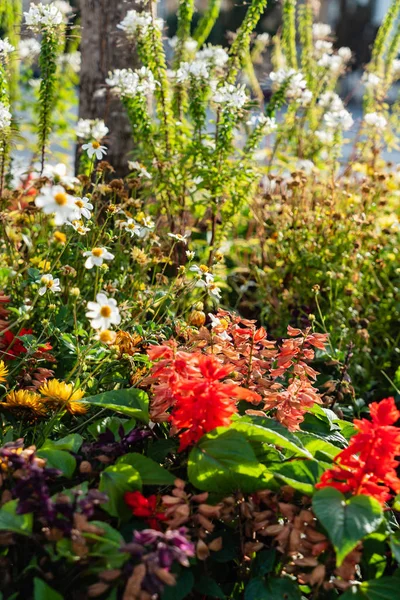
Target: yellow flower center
column 95, row 145
column 204, row 268
column 79, row 203
column 105, row 311
column 107, row 336
column 61, row 198
column 97, row 252
column 49, row 283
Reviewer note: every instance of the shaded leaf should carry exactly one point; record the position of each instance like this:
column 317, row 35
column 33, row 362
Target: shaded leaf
column 115, row 481
column 10, row 521
column 132, row 402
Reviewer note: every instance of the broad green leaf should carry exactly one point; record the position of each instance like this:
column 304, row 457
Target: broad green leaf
column 346, row 523
column 132, row 402
column 385, row 588
column 58, row 459
column 271, row 589
column 395, row 545
column 301, row 475
column 115, row 481
column 150, row 472
column 71, row 442
column 11, row 521
column 269, row 431
column 263, row 562
column 113, row 424
column 108, row 545
column 224, row 461
column 209, row 587
column 319, row 447
column 42, row 591
column 183, row 586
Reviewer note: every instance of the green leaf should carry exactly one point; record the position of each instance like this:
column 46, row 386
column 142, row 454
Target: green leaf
column 160, row 449
column 301, row 475
column 209, row 588
column 395, row 545
column 108, row 546
column 113, row 424
column 272, row 589
column 132, row 402
column 385, row 588
column 182, row 589
column 10, row 521
column 150, row 472
column 58, row 459
column 71, row 442
column 115, row 481
column 224, row 461
column 42, row 591
column 346, row 523
column 319, row 447
column 263, row 562
column 269, row 431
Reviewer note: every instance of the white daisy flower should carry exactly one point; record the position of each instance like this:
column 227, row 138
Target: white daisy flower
column 134, row 228
column 50, row 284
column 134, row 165
column 148, row 222
column 190, row 254
column 83, row 208
column 103, row 313
column 94, row 149
column 96, row 257
column 178, row 237
column 41, row 16
column 215, row 322
column 208, row 284
column 79, row 227
column 58, row 173
column 231, row 96
column 55, row 200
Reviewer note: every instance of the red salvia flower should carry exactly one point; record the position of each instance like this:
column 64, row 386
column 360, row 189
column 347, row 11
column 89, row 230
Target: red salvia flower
column 146, row 508
column 368, row 465
column 206, row 402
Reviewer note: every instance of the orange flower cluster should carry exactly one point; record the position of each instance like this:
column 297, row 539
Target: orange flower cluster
column 368, row 465
column 192, row 384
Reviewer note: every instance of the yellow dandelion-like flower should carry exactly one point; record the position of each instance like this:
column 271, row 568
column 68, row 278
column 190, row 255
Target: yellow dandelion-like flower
column 25, row 404
column 58, row 394
column 3, row 371
column 59, row 237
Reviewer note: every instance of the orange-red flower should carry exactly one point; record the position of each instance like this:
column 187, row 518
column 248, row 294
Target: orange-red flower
column 368, row 465
column 146, row 508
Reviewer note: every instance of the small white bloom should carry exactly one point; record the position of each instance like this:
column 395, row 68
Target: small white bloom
column 29, row 49
column 50, row 284
column 41, row 16
column 215, row 322
column 325, row 137
column 94, row 149
column 231, row 96
column 96, row 257
column 396, row 69
column 128, row 83
column 198, row 69
column 91, row 128
column 371, row 81
column 295, row 84
column 208, row 284
column 333, row 62
column 375, row 120
column 330, row 101
column 340, row 119
column 136, row 23
column 148, row 222
column 136, row 166
column 5, row 116
column 267, row 123
column 83, row 208
column 58, row 173
column 73, row 60
column 55, row 200
column 345, row 54
column 190, row 254
column 79, row 227
column 103, row 313
column 63, row 6
column 263, row 38
column 134, row 228
column 178, row 237
column 6, row 47
column 215, row 56
column 321, row 30
column 322, row 47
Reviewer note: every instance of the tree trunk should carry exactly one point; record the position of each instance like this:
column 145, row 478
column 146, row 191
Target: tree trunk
column 104, row 48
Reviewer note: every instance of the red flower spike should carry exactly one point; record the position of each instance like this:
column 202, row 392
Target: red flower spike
column 368, row 466
column 145, row 508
